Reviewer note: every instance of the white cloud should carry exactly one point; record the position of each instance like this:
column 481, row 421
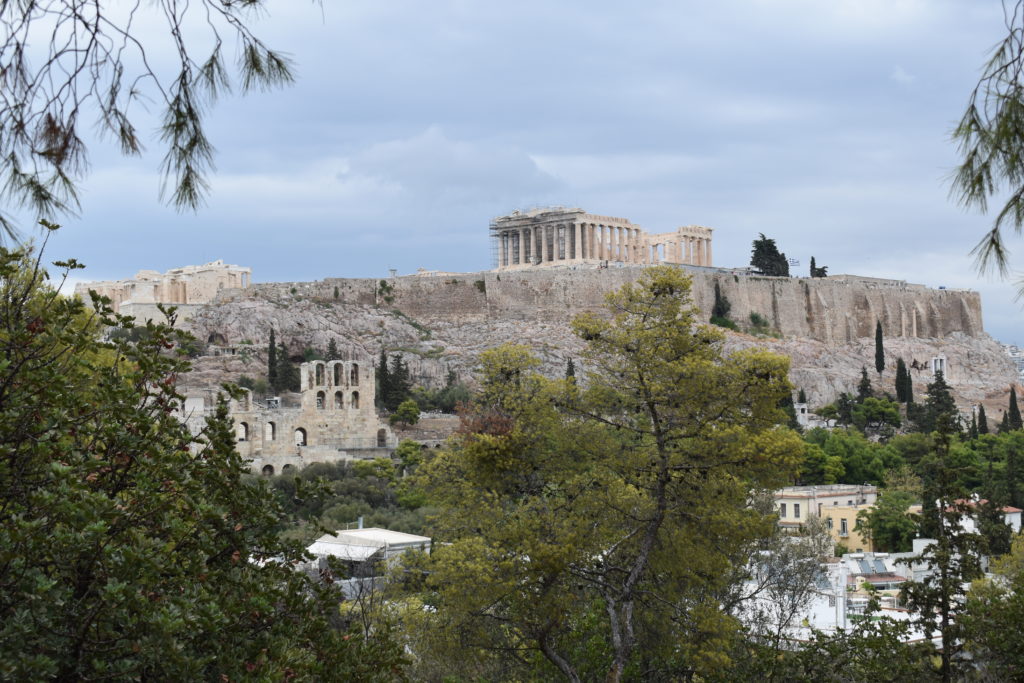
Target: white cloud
column 900, row 75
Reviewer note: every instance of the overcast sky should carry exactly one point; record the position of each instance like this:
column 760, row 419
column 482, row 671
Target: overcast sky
column 823, row 124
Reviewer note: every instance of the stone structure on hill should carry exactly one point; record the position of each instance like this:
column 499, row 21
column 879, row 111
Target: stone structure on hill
column 183, row 287
column 441, row 323
column 559, row 236
column 335, row 421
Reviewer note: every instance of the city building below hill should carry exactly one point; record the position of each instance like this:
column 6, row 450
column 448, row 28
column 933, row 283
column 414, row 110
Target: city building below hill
column 837, row 504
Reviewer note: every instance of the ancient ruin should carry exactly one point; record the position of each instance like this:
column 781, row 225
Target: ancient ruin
column 182, row 287
column 335, row 421
column 559, row 236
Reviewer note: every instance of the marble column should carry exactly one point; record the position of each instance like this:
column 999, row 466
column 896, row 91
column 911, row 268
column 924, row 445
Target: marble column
column 577, row 254
column 710, row 262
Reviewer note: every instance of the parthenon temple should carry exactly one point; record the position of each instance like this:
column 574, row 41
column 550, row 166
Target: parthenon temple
column 559, row 236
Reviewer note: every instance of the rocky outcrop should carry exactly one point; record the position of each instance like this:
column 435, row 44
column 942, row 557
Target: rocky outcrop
column 442, row 323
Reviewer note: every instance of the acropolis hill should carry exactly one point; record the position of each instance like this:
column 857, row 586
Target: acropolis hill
column 554, row 263
column 443, row 321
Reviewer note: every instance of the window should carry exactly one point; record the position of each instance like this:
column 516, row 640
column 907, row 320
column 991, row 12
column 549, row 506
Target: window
column 843, row 528
column 796, row 510
column 831, row 601
column 782, row 510
column 320, row 400
column 849, row 502
column 828, row 522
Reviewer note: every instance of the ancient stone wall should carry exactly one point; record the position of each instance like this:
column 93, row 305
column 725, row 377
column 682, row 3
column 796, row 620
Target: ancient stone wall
column 831, row 310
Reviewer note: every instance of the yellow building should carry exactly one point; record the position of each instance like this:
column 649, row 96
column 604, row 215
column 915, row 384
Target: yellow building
column 837, row 504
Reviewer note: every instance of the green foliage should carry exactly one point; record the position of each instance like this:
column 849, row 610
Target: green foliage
column 564, row 505
column 258, row 386
column 386, row 291
column 801, row 397
column 888, row 522
column 766, row 258
column 311, row 354
column 879, row 348
column 993, row 621
column 131, row 548
column 939, row 408
column 721, row 307
column 1013, row 418
column 724, row 322
column 287, row 371
column 570, row 369
column 902, row 376
column 481, row 286
column 864, row 386
column 818, row 272
column 406, row 414
column 446, row 399
column 982, row 420
column 332, row 349
column 876, row 416
column 272, row 363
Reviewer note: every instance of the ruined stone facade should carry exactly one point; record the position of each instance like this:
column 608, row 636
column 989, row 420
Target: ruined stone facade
column 563, row 237
column 182, row 287
column 335, row 421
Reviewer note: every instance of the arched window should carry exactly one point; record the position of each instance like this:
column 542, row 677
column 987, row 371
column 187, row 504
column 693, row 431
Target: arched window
column 382, row 438
column 320, row 397
column 338, row 401
column 353, row 378
column 319, row 374
column 268, row 470
column 354, row 403
column 338, row 368
column 287, row 468
column 269, row 431
column 300, row 437
column 242, row 431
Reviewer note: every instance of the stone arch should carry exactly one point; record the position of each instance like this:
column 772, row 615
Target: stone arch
column 287, row 468
column 354, row 403
column 269, row 431
column 242, row 431
column 319, row 374
column 354, row 375
column 300, row 437
column 268, row 470
column 338, row 400
column 338, row 374
column 217, row 338
column 382, row 438
column 321, row 398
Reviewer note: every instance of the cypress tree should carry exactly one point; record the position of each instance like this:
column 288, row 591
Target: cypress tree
column 383, row 379
column 814, row 271
column 570, row 367
column 801, row 397
column 901, row 380
column 864, row 386
column 982, row 420
column 879, row 349
column 939, row 407
column 1014, row 414
column 272, row 378
column 332, row 350
column 287, row 371
column 1004, row 424
column 908, row 388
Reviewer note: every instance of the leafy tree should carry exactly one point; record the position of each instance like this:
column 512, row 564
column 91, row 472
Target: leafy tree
column 63, row 57
column 982, row 420
column 993, row 619
column 864, row 386
column 879, row 349
column 767, row 259
column 583, row 501
column 953, row 558
column 272, row 364
column 722, row 306
column 888, row 522
column 938, row 405
column 876, row 416
column 383, row 377
column 901, row 379
column 990, row 142
column 819, row 467
column 288, row 378
column 406, row 414
column 131, row 548
column 1013, row 418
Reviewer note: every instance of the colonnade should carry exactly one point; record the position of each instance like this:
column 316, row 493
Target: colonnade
column 570, row 242
column 679, row 248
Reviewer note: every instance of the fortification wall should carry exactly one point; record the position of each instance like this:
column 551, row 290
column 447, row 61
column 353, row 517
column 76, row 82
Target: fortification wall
column 833, row 310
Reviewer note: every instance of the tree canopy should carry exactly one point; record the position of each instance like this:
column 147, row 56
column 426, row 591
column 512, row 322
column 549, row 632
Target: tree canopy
column 132, row 548
column 73, row 64
column 766, row 258
column 567, row 507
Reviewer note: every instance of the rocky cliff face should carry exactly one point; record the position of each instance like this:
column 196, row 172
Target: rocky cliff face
column 444, row 322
